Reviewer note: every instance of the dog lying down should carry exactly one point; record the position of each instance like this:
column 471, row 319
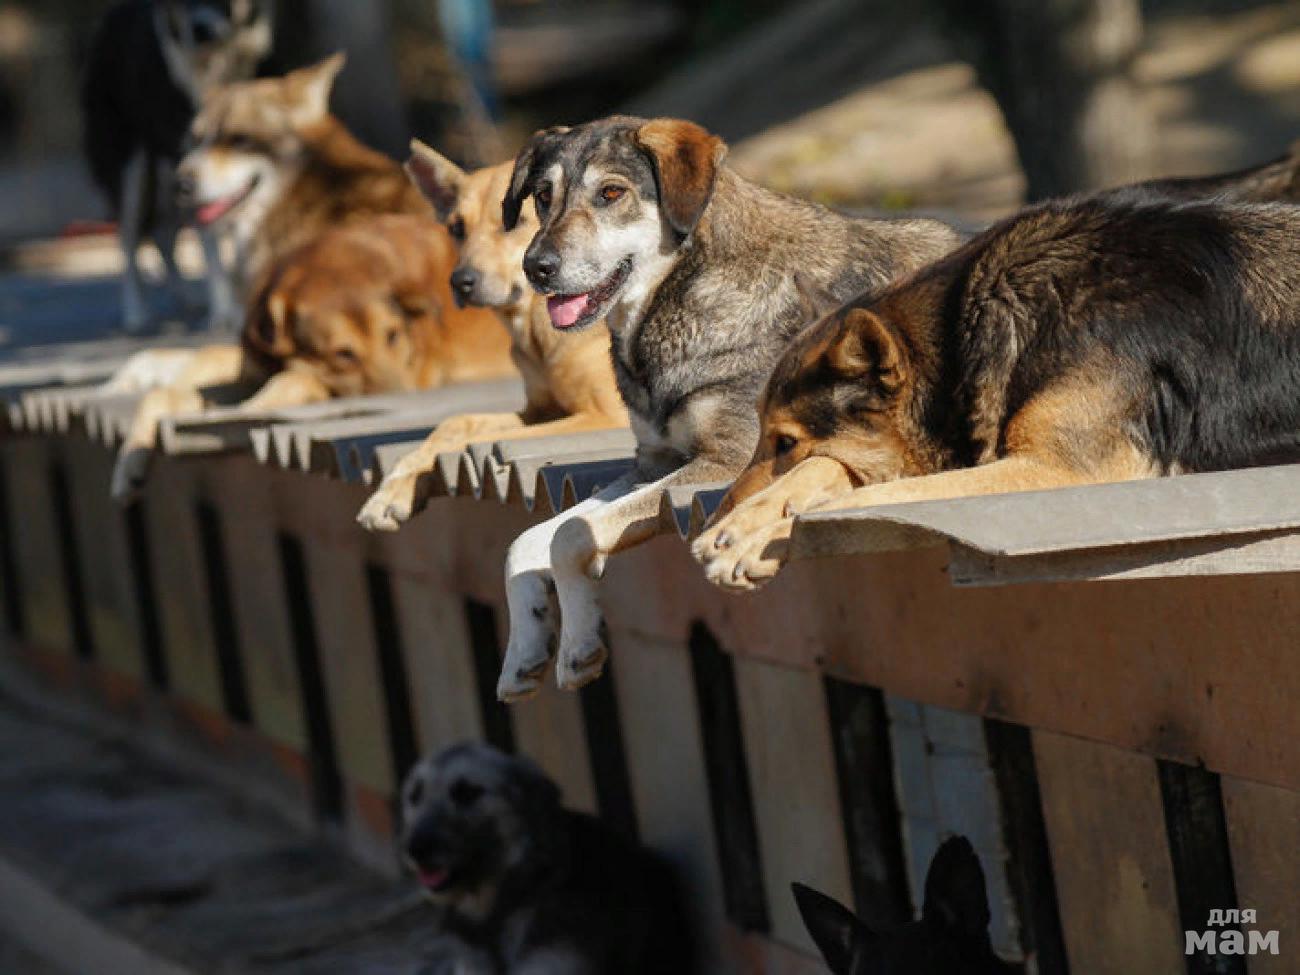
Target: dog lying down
column 1111, row 338
column 522, row 885
column 366, row 308
column 951, row 937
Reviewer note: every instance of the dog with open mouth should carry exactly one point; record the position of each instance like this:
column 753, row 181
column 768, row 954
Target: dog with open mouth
column 520, row 884
column 568, row 377
column 693, row 268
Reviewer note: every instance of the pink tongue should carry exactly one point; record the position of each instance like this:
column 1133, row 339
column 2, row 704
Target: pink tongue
column 433, row 878
column 565, row 310
column 212, row 211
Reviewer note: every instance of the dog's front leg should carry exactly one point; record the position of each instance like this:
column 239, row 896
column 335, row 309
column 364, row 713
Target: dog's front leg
column 529, row 596
column 579, row 552
column 130, row 228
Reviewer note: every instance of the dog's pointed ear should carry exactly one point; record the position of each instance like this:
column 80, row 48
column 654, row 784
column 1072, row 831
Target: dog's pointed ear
column 686, row 158
column 310, row 88
column 526, row 165
column 866, row 346
column 436, row 177
column 836, row 931
column 955, row 894
column 815, row 301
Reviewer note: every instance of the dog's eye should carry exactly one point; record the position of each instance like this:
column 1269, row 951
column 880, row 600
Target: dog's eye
column 612, row 193
column 457, row 229
column 392, row 337
column 543, row 197
column 346, row 355
column 783, row 444
column 415, row 792
column 465, row 793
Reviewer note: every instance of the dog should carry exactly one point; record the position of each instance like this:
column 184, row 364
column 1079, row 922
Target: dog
column 641, row 223
column 365, row 308
column 521, row 884
column 150, row 64
column 271, row 169
column 951, row 937
column 568, row 377
column 1101, row 339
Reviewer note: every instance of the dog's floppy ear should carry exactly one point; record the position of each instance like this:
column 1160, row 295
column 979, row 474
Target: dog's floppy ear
column 436, row 177
column 310, row 88
column 866, row 346
column 837, row 932
column 267, row 329
column 521, row 179
column 955, row 895
column 686, row 158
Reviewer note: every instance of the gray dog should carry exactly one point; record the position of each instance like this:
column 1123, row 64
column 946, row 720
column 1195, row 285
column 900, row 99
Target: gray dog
column 524, row 886
column 694, row 268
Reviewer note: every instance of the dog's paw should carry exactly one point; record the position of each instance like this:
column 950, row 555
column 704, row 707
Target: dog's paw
column 391, row 505
column 129, row 474
column 518, row 683
column 577, row 666
column 750, row 561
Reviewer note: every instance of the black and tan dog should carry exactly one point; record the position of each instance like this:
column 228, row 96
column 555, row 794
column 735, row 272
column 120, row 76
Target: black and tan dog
column 1116, row 337
column 693, row 269
column 522, row 885
column 950, row 938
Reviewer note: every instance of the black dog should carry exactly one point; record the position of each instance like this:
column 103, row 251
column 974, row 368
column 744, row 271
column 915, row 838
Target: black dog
column 149, row 66
column 951, row 938
column 521, row 884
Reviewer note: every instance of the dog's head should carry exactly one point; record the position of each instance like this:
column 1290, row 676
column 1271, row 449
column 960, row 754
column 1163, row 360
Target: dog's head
column 490, row 270
column 474, row 819
column 357, row 306
column 951, row 938
column 248, row 141
column 843, row 388
column 616, row 200
column 206, row 43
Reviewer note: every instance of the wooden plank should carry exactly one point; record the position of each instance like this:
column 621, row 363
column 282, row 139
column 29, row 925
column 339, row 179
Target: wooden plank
column 439, row 662
column 242, row 494
column 1115, row 881
column 112, row 612
column 170, row 498
column 796, row 797
column 665, row 757
column 47, row 615
column 1264, row 836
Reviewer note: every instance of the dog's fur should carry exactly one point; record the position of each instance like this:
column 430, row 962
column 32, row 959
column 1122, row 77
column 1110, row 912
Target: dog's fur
column 149, row 65
column 272, row 169
column 522, row 885
column 365, row 308
column 568, row 378
column 692, row 267
column 1114, row 337
column 950, row 938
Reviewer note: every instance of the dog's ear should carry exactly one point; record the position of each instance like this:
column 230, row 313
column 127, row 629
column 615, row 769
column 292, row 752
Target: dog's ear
column 815, row 301
column 309, row 88
column 436, row 177
column 529, row 160
column 865, row 346
column 955, row 895
column 686, row 158
column 836, row 931
column 267, row 330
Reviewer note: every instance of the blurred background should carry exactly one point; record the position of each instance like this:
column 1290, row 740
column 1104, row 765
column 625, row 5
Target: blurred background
column 964, row 106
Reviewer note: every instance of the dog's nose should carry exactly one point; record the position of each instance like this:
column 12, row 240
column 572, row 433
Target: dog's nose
column 463, row 281
column 541, row 264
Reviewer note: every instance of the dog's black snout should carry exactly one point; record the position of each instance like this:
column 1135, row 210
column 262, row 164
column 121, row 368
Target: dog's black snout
column 421, row 844
column 541, row 264
column 464, row 280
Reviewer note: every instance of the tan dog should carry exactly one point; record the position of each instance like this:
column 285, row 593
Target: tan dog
column 568, row 377
column 366, row 308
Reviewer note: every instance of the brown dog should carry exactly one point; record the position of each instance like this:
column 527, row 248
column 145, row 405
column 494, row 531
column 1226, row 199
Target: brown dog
column 366, row 308
column 1119, row 337
column 568, row 377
